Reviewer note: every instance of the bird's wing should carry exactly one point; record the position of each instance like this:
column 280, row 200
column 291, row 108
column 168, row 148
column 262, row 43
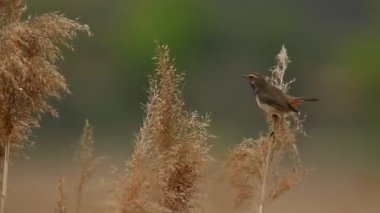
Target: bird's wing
column 269, row 100
column 277, row 99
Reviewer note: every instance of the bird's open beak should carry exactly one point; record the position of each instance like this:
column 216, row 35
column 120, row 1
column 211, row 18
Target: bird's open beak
column 245, row 76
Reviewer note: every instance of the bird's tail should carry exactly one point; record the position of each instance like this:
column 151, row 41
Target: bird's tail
column 308, row 99
column 296, row 101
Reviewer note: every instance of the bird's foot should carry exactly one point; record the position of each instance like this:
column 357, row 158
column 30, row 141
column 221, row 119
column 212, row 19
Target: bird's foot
column 271, row 135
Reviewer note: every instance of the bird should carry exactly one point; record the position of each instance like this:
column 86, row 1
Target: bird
column 271, row 99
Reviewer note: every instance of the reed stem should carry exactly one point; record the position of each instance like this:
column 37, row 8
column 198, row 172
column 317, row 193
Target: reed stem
column 5, row 176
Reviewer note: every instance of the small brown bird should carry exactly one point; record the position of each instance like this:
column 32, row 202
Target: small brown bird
column 271, row 99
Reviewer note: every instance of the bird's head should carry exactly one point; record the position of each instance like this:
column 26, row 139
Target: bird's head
column 256, row 80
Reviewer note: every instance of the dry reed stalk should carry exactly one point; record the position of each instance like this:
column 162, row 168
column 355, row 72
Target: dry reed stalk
column 261, row 170
column 171, row 153
column 88, row 160
column 5, row 175
column 29, row 50
column 61, row 204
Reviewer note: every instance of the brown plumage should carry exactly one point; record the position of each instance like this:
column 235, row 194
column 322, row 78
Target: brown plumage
column 271, row 99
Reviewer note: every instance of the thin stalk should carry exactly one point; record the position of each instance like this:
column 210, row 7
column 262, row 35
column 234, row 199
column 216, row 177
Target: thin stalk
column 79, row 196
column 265, row 174
column 5, row 176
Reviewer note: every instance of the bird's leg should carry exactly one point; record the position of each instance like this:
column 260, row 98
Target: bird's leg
column 275, row 121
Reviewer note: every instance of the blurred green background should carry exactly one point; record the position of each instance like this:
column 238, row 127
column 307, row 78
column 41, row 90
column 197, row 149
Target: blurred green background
column 334, row 47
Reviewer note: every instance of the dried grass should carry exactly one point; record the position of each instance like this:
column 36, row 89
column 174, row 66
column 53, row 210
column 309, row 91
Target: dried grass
column 167, row 167
column 260, row 170
column 88, row 160
column 29, row 50
column 62, row 201
column 28, row 75
column 89, row 163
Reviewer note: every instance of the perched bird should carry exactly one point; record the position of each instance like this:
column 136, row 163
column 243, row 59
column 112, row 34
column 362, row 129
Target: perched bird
column 271, row 99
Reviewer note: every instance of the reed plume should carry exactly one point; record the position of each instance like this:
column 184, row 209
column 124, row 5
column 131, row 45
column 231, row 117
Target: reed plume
column 88, row 160
column 29, row 50
column 62, row 203
column 171, row 151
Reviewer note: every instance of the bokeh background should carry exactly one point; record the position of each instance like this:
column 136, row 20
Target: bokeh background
column 334, row 48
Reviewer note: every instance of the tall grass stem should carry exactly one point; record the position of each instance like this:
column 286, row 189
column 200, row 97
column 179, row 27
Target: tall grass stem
column 5, row 175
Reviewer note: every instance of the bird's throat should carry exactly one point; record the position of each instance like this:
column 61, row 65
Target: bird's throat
column 253, row 87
